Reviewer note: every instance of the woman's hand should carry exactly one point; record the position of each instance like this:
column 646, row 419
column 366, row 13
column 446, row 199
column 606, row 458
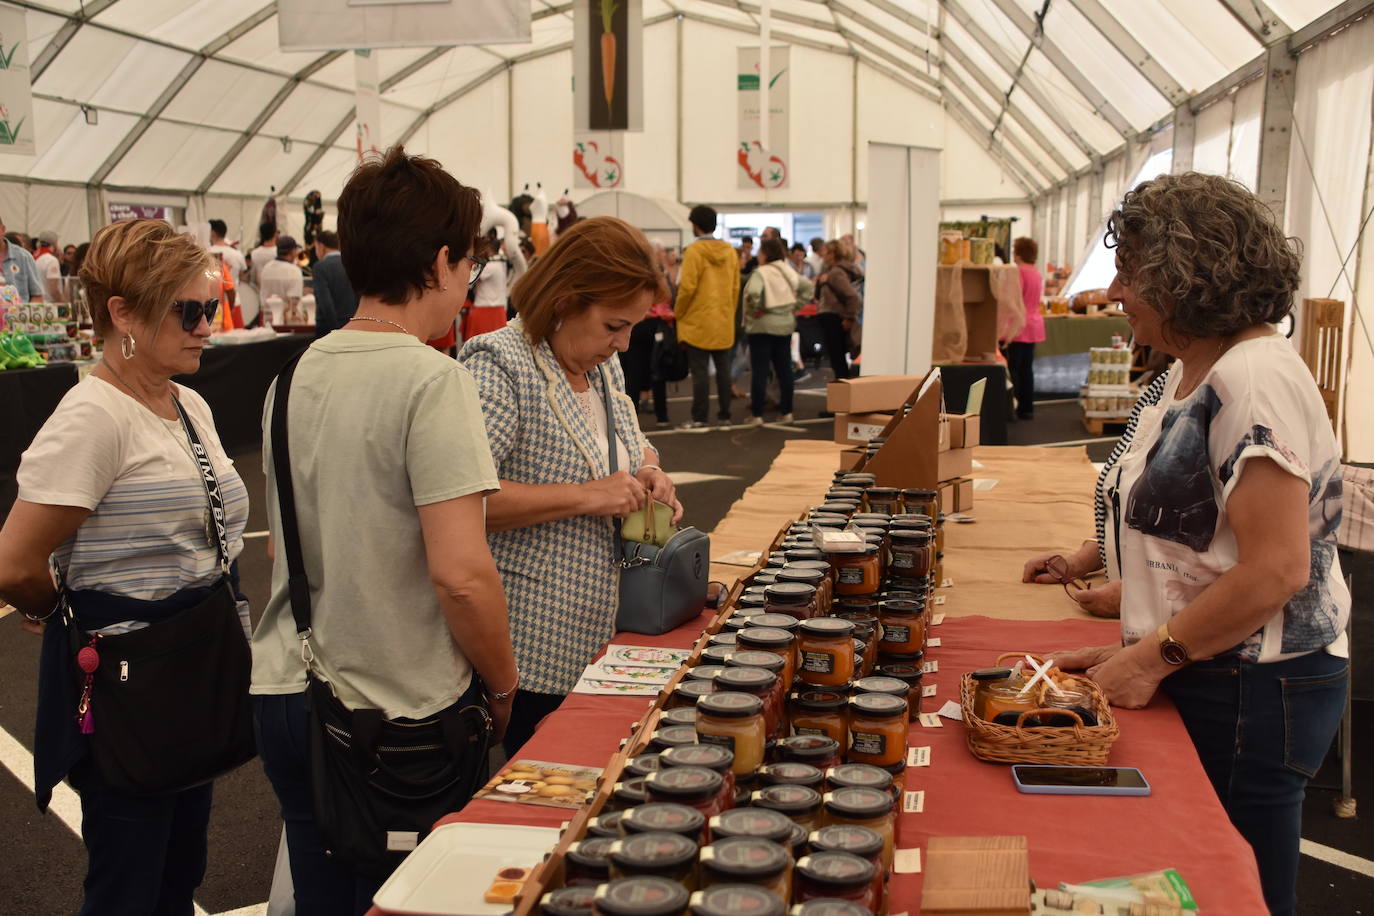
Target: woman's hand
column 1130, row 677
column 616, row 495
column 1082, row 562
column 1084, row 658
column 1101, row 602
column 661, row 488
column 499, row 710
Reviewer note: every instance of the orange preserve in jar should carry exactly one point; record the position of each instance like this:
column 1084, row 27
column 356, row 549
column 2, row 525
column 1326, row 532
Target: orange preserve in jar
column 735, row 721
column 856, row 573
column 817, row 579
column 792, row 599
column 877, row 728
column 820, row 712
column 775, row 642
column 646, row 895
column 825, row 647
column 904, row 626
column 762, row 684
column 913, row 553
column 825, row 597
column 864, row 807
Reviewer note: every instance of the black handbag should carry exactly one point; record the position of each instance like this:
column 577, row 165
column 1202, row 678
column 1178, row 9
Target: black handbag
column 661, row 588
column 378, row 784
column 166, row 708
column 668, row 359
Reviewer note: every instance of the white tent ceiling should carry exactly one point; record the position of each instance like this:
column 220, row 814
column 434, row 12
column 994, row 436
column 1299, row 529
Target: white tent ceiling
column 195, row 96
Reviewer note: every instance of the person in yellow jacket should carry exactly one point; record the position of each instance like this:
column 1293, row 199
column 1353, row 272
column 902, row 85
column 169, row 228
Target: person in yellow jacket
column 707, row 295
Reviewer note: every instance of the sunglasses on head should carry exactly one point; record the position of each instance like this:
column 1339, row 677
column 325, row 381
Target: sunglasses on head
column 192, row 310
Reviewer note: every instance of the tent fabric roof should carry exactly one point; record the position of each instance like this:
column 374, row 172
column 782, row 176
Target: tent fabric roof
column 218, row 108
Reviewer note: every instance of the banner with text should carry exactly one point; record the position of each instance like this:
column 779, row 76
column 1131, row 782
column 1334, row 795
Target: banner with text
column 16, row 95
column 759, row 167
column 367, row 105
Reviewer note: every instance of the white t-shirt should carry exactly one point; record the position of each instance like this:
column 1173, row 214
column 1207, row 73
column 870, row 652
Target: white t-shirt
column 1168, row 535
column 491, row 286
column 49, row 267
column 380, row 424
column 259, row 258
column 147, row 535
column 232, row 257
column 282, row 278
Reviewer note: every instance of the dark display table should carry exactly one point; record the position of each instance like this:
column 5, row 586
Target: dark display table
column 27, row 398
column 958, row 378
column 234, row 381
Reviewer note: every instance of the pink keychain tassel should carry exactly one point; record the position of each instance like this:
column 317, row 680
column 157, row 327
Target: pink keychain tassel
column 87, row 722
column 88, row 659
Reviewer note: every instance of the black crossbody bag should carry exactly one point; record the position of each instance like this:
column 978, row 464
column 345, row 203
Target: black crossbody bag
column 378, row 784
column 166, row 707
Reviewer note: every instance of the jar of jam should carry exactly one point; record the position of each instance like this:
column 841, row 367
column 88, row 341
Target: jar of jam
column 847, row 604
column 845, row 507
column 1004, row 704
column 877, row 729
column 760, row 823
column 607, row 824
column 820, row 712
column 829, row 906
column 821, row 751
column 864, row 658
column 856, row 573
column 690, row 689
column 717, row 655
column 883, row 499
column 880, row 519
column 843, row 492
column 826, row 650
column 775, row 642
column 911, row 676
column 904, row 627
column 682, row 715
column 658, row 853
column 912, row 553
column 864, row 807
column 747, row 860
column 861, row 479
column 734, row 899
column 840, row 875
column 792, row 774
column 723, row 638
column 568, row 901
column 644, row 896
column 801, row 804
column 627, row 793
column 762, row 684
column 587, row 862
column 983, row 680
column 736, row 621
column 816, row 578
column 763, row 578
column 702, row 673
column 777, row 699
column 880, row 684
column 792, row 599
column 858, row 841
column 695, row 787
column 803, row 553
column 735, row 721
column 920, row 502
column 672, row 736
column 862, row 775
column 751, row 598
column 642, row 765
column 711, row 756
column 785, row 622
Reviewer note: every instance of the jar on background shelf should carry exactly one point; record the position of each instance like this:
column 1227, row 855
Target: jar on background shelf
column 887, row 500
column 856, row 573
column 825, row 649
column 747, row 860
column 763, row 684
column 734, row 721
column 627, row 793
column 877, row 729
column 838, row 875
column 864, row 807
column 587, row 862
column 568, row 901
column 736, row 899
column 793, row 599
column 695, row 787
column 712, row 757
column 645, row 896
column 910, row 675
column 659, row 854
column 904, row 627
column 820, row 751
column 920, row 501
column 912, row 552
column 774, row 641
column 820, row 711
column 663, row 817
column 760, row 823
column 800, row 803
column 791, row 774
column 815, row 578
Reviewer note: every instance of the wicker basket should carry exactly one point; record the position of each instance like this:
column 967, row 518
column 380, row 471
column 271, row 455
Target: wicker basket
column 1076, row 745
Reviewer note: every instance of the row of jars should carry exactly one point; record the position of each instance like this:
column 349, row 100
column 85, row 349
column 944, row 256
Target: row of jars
column 998, row 698
column 901, row 551
column 861, row 488
column 650, row 896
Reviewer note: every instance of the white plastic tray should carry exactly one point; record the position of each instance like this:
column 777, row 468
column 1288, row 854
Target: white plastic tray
column 447, row 874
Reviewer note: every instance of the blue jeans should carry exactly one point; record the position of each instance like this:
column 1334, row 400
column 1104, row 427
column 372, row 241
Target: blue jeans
column 770, row 351
column 1261, row 732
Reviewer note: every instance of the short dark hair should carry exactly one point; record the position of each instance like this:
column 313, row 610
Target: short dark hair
column 773, row 249
column 395, row 214
column 328, row 239
column 817, row 243
column 703, row 217
column 218, row 227
column 1026, row 249
column 746, row 240
column 265, row 232
column 798, row 246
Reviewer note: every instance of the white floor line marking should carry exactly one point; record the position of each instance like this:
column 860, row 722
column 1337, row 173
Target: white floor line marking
column 681, row 478
column 254, row 909
column 1336, row 857
column 1058, row 401
column 1077, row 442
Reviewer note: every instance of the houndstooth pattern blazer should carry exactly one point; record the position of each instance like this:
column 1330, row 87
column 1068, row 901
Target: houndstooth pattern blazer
column 561, row 586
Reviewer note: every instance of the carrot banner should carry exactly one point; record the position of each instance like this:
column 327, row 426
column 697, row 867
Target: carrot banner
column 607, row 66
column 758, row 168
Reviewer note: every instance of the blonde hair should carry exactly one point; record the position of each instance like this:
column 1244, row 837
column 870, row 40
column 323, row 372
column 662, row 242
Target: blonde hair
column 845, row 249
column 146, row 263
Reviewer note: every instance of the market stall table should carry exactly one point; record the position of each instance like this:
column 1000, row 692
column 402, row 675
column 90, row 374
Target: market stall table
column 1080, row 333
column 27, row 398
column 234, row 379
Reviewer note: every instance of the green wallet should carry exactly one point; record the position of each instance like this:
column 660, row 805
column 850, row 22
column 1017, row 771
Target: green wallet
column 653, row 524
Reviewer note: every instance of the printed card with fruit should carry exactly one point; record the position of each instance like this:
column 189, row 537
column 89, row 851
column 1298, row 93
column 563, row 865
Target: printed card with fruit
column 537, row 782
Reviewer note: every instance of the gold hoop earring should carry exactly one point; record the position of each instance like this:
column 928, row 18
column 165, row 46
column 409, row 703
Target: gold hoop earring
column 127, row 346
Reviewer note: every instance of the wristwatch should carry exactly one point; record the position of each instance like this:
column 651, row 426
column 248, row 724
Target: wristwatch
column 1173, row 651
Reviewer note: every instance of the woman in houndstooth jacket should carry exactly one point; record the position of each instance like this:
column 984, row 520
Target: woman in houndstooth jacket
column 543, row 380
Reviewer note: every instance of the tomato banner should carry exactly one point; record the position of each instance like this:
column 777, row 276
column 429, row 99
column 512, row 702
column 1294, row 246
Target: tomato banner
column 757, row 167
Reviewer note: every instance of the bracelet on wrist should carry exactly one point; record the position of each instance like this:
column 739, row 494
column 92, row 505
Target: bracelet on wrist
column 652, row 467
column 507, row 694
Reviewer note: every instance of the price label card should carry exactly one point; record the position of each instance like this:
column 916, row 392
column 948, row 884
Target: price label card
column 947, row 583
column 918, row 757
column 934, row 642
column 930, row 667
column 931, row 720
column 928, row 690
column 907, row 862
column 937, row 619
column 937, row 601
column 914, row 802
column 951, row 710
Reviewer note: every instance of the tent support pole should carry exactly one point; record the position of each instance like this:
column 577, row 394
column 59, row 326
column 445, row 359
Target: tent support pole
column 681, row 28
column 1185, row 137
column 510, row 128
column 854, row 134
column 1095, row 214
column 1071, row 219
column 1276, row 127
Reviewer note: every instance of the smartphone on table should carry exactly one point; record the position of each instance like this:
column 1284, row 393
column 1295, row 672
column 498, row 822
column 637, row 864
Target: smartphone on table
column 1069, row 780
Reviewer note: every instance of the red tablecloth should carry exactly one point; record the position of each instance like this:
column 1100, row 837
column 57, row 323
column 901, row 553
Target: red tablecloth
column 1072, row 838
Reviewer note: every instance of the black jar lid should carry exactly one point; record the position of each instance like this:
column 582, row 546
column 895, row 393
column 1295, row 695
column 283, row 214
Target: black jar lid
column 858, row 775
column 642, row 765
column 717, row 655
column 744, row 858
column 789, row 798
column 843, row 492
column 607, row 824
column 735, row 622
column 775, row 561
column 805, row 553
column 764, row 637
column 703, row 673
column 829, row 906
column 593, row 852
column 901, row 606
column 882, row 684
column 695, row 783
column 990, row 674
column 901, row 658
column 851, row 838
column 682, row 715
column 672, row 736
column 870, row 547
column 878, row 705
column 761, row 823
column 756, row 658
column 792, row 573
column 860, row 479
column 630, row 792
column 575, row 900
column 789, row 772
column 737, row 900
column 910, row 674
column 836, row 869
column 819, row 700
column 730, row 705
column 827, row 628
column 747, row 680
column 724, row 638
column 882, row 493
column 859, row 616
column 858, row 802
column 641, row 896
column 917, row 537
column 919, row 493
column 806, row 748
column 712, row 756
column 818, row 565
column 689, row 690
column 654, row 849
column 789, row 593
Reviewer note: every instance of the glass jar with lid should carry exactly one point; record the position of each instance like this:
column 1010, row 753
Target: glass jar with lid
column 883, row 499
column 735, row 721
column 760, row 823
column 747, row 860
column 803, row 553
column 920, row 501
column 819, row 579
column 845, row 507
column 829, row 906
column 716, row 655
column 837, row 875
column 568, row 901
column 911, row 676
column 1004, row 703
column 627, row 793
column 880, row 684
column 864, row 658
column 793, row 599
column 607, row 824
column 877, row 519
column 856, row 573
column 877, row 729
column 660, row 854
column 723, row 638
column 820, row 712
column 643, row 896
column 711, row 756
column 682, row 715
column 904, row 627
column 671, row 736
column 825, row 647
column 752, row 597
column 774, row 641
column 849, row 605
column 763, row 578
column 983, row 680
column 800, row 803
column 820, row 751
column 737, row 621
column 858, row 775
column 663, row 817
column 843, row 492
column 912, row 552
column 864, row 807
column 695, row 787
column 703, row 673
column 642, row 764
column 861, row 479
column 790, row 773
column 762, row 684
column 689, row 690
column 736, row 899
column 587, row 862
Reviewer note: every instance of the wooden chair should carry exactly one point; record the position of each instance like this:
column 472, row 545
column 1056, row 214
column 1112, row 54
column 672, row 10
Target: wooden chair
column 1323, row 322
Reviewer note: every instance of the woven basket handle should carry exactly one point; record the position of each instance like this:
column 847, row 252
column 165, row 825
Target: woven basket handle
column 1077, row 721
column 1006, row 655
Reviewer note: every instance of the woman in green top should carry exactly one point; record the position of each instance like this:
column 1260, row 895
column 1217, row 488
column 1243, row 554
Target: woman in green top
column 771, row 298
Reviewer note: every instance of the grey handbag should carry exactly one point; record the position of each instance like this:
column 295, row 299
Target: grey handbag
column 661, row 588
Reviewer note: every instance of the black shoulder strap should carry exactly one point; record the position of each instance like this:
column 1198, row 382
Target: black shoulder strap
column 211, row 483
column 611, row 457
column 298, row 586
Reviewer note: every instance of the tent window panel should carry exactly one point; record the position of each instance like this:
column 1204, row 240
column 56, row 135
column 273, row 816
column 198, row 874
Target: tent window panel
column 223, row 95
column 1245, row 134
column 171, row 156
column 1074, row 107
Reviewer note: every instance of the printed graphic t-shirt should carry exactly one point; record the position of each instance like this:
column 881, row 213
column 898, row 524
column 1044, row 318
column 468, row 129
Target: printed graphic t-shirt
column 1168, row 533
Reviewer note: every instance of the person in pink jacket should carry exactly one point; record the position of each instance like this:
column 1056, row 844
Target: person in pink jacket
column 1021, row 349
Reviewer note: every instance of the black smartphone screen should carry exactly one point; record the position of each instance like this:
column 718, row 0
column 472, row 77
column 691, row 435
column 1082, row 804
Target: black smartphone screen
column 1098, row 777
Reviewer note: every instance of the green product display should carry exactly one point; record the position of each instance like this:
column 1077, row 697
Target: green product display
column 17, row 352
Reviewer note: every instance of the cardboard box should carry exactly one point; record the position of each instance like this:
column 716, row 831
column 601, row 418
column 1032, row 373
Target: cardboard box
column 976, row 875
column 871, row 393
column 980, row 316
column 963, row 494
column 850, row 458
column 946, row 490
column 957, row 462
column 858, row 428
column 964, row 429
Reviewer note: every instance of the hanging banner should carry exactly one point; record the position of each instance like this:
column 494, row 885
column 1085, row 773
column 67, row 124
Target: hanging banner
column 598, row 159
column 608, row 67
column 329, row 25
column 367, row 107
column 759, row 167
column 16, row 96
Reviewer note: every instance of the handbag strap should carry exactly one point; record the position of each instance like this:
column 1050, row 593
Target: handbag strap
column 297, row 582
column 211, row 483
column 624, row 561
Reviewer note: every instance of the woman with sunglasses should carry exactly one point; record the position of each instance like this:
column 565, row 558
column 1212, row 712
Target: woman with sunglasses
column 111, row 495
